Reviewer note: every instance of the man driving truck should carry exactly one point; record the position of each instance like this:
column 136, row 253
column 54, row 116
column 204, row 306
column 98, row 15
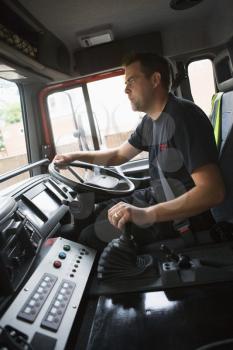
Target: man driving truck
column 185, row 178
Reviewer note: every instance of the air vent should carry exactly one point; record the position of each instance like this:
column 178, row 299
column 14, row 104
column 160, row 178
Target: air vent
column 183, row 4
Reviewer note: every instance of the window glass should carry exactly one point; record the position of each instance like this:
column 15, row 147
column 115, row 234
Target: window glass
column 69, row 121
column 112, row 111
column 201, row 79
column 12, row 137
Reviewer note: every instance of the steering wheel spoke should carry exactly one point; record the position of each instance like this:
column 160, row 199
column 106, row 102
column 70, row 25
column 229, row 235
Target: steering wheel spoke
column 76, row 174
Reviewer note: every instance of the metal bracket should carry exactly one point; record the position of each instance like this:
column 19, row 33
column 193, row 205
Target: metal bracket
column 46, row 151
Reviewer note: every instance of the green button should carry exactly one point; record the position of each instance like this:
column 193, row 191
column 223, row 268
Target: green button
column 66, row 247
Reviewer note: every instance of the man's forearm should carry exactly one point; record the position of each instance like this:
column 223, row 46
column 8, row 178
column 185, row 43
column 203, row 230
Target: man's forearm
column 189, row 204
column 113, row 156
column 108, row 157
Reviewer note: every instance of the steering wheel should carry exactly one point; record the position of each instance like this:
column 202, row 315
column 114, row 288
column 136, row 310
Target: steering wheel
column 86, row 177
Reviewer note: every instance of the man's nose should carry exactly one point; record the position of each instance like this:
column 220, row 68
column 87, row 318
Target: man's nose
column 127, row 89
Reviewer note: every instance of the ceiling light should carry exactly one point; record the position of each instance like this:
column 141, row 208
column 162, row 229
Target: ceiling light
column 97, row 38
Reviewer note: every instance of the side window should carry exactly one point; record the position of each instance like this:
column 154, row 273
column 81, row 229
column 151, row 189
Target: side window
column 69, row 121
column 201, row 79
column 112, row 111
column 13, row 152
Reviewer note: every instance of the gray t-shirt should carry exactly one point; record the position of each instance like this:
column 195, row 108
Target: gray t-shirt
column 180, row 141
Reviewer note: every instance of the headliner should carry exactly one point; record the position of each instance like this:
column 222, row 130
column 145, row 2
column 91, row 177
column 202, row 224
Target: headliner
column 71, row 18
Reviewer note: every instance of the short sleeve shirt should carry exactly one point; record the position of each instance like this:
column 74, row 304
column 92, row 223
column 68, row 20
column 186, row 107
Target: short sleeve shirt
column 179, row 141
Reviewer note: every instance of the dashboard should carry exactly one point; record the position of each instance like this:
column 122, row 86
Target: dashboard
column 35, row 285
column 28, row 216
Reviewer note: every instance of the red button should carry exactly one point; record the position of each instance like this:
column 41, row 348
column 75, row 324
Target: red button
column 57, row 264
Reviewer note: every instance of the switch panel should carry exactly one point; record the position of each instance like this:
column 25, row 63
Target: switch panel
column 49, row 301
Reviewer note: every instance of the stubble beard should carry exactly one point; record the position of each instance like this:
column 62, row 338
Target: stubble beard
column 136, row 106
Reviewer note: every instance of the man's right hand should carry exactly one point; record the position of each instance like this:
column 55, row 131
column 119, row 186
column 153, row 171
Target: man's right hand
column 62, row 160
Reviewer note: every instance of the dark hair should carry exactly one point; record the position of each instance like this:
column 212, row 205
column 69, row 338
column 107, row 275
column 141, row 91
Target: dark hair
column 150, row 63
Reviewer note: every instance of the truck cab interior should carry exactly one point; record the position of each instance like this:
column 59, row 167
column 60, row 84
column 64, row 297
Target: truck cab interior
column 62, row 90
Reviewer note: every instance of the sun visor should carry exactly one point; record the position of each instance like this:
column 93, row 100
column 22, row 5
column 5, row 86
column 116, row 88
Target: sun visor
column 108, row 56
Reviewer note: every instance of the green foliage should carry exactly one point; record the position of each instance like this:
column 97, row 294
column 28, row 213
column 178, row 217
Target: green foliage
column 11, row 113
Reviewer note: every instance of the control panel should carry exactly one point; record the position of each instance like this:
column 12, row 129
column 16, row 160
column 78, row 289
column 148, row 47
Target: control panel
column 45, row 308
column 29, row 214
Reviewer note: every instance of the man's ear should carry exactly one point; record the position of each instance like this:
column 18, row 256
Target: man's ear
column 156, row 79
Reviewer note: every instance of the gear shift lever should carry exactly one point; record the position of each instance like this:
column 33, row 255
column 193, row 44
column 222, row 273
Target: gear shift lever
column 127, row 231
column 127, row 236
column 119, row 259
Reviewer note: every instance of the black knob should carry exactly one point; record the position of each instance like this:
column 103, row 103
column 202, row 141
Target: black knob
column 169, row 253
column 184, row 262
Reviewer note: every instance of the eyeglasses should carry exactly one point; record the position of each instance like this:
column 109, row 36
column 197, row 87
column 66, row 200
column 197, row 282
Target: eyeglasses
column 131, row 81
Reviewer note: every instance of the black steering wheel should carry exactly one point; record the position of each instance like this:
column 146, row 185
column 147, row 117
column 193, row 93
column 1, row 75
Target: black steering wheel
column 86, row 177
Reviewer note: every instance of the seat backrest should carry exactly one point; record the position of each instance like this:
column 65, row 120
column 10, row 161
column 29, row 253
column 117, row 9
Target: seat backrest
column 224, row 211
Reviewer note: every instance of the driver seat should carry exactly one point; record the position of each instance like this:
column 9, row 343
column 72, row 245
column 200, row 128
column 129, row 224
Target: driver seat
column 224, row 138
